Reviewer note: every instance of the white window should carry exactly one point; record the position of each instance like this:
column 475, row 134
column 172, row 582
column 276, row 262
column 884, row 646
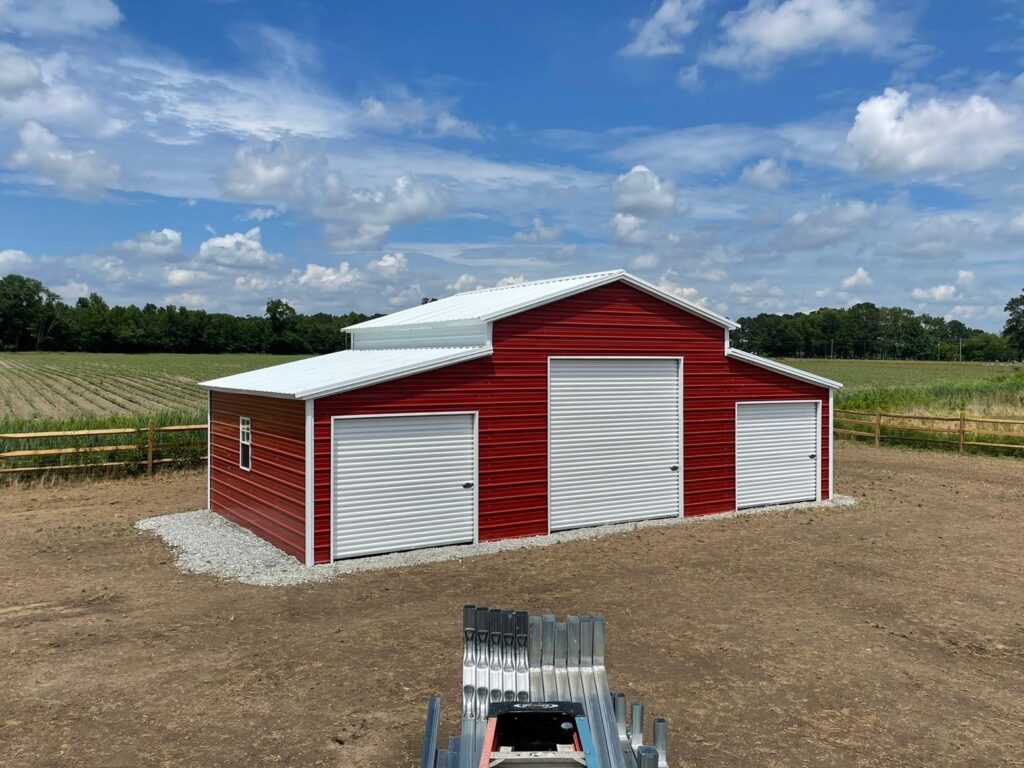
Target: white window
column 245, row 443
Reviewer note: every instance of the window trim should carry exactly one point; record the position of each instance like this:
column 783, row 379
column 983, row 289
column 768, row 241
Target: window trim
column 244, row 439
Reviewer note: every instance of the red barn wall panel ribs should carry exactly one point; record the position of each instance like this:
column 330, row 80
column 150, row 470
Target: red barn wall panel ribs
column 509, row 389
column 270, row 499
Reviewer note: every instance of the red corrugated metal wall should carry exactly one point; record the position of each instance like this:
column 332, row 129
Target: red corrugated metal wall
column 270, row 499
column 509, row 389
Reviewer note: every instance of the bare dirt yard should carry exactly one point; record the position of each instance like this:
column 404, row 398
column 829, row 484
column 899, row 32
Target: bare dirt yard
column 890, row 633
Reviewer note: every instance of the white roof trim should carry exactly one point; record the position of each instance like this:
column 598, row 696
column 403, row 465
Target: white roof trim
column 459, row 356
column 577, row 284
column 785, row 370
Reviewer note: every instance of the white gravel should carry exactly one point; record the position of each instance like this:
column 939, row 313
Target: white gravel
column 205, row 542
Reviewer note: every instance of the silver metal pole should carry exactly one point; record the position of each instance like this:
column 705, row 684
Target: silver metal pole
column 661, row 741
column 636, row 725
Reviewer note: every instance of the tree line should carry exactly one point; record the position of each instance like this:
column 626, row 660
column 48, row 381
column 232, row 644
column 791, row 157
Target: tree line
column 32, row 317
column 865, row 331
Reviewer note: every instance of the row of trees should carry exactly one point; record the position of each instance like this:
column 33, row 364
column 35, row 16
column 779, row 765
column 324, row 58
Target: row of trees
column 32, row 317
column 865, row 331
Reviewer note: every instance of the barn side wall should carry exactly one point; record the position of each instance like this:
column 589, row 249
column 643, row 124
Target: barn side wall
column 509, row 389
column 270, row 499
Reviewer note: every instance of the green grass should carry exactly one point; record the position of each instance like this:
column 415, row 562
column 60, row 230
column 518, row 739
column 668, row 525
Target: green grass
column 926, row 388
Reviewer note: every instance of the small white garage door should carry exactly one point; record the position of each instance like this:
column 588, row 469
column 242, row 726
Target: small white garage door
column 776, row 453
column 614, row 442
column 403, row 482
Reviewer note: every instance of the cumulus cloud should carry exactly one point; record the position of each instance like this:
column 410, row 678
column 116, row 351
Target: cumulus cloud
column 539, row 233
column 77, row 174
column 18, row 72
column 388, row 266
column 72, row 290
column 662, row 33
column 641, row 193
column 179, row 278
column 330, row 278
column 892, row 135
column 464, row 282
column 936, row 293
column 645, row 261
column 12, row 259
column 827, row 225
column 859, row 279
column 416, row 114
column 260, row 214
column 669, row 283
column 289, row 173
column 162, row 243
column 511, row 280
column 765, row 173
column 57, row 17
column 628, row 229
column 766, row 32
column 237, row 250
column 965, row 279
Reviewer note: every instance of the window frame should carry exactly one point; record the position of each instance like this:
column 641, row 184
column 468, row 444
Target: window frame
column 245, row 441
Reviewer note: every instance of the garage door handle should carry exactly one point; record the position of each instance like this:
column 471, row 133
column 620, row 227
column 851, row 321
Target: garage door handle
column 813, row 456
column 674, row 468
column 467, row 485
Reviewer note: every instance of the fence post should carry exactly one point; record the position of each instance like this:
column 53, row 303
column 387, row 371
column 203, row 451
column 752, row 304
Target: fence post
column 878, row 428
column 961, row 431
column 149, row 450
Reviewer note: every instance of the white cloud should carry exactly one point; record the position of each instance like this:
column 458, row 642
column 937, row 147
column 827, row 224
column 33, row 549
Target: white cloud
column 511, row 280
column 641, row 193
column 891, row 135
column 330, row 278
column 766, row 32
column 859, row 279
column 57, row 17
column 71, row 290
column 238, row 249
column 11, row 259
column 196, row 300
column 260, row 214
column 766, row 174
column 645, row 261
column 18, row 73
column 935, row 293
column 413, row 113
column 629, row 229
column 823, row 293
column 668, row 282
column 827, row 225
column 539, row 233
column 689, row 77
column 1016, row 226
column 403, row 297
column 965, row 279
column 662, row 33
column 464, row 282
column 162, row 243
column 251, row 283
column 78, row 174
column 388, row 266
column 179, row 278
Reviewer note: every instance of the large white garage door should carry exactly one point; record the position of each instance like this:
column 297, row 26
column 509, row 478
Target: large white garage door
column 776, row 453
column 615, row 449
column 403, row 482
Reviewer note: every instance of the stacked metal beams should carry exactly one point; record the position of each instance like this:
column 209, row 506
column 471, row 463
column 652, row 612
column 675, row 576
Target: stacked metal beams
column 510, row 656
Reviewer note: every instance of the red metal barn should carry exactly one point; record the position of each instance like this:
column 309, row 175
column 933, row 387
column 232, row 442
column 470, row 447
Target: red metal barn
column 515, row 411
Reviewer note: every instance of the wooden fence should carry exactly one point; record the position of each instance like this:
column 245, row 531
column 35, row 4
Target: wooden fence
column 959, row 432
column 132, row 447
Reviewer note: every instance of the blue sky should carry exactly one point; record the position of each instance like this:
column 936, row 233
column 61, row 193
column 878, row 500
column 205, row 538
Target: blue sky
column 753, row 156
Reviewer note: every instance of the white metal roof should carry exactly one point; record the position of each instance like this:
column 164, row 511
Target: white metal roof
column 341, row 371
column 494, row 303
column 785, row 370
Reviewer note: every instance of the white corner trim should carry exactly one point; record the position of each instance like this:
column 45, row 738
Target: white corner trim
column 310, row 477
column 831, row 445
column 785, row 370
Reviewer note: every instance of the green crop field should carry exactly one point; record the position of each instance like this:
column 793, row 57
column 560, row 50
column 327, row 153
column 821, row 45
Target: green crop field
column 922, row 387
column 68, row 390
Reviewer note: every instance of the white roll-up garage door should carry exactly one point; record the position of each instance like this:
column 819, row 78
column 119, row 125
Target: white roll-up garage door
column 403, row 482
column 615, row 440
column 776, row 453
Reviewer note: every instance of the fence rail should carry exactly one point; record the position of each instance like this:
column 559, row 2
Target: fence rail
column 149, row 449
column 960, row 431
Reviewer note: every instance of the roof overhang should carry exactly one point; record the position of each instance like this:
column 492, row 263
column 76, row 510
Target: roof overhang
column 781, row 368
column 311, row 393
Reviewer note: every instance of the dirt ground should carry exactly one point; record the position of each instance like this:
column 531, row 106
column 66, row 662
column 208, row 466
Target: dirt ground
column 891, row 633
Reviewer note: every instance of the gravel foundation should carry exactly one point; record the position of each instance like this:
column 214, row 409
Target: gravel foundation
column 205, row 542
